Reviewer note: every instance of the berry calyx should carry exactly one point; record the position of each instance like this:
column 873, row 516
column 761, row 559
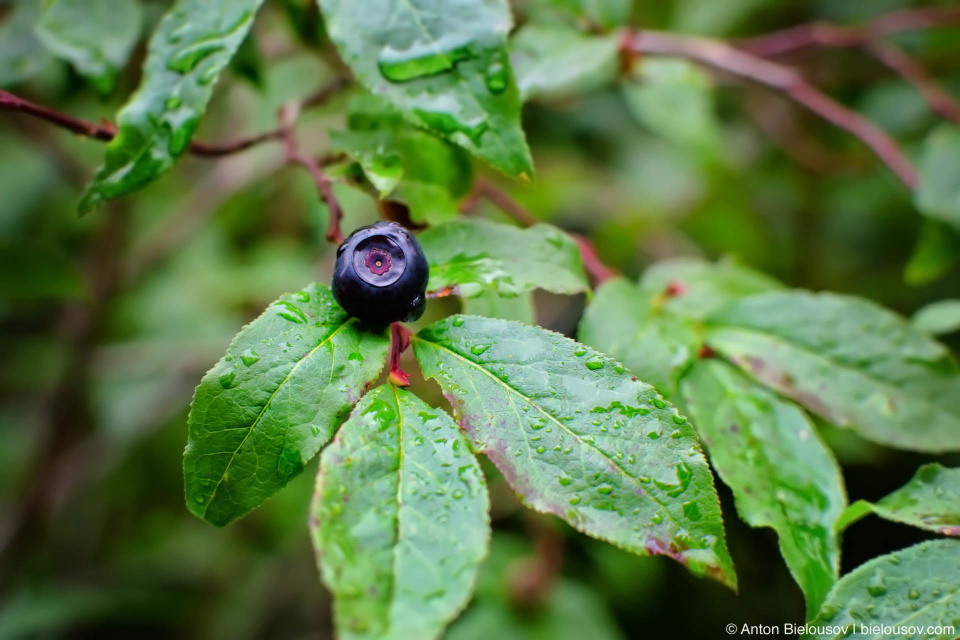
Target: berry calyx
column 381, row 275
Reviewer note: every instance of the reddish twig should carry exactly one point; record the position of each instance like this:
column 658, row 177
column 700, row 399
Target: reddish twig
column 450, row 290
column 399, row 341
column 824, row 34
column 726, row 58
column 869, row 39
column 501, row 200
column 913, row 72
column 591, row 260
column 106, row 132
column 288, row 118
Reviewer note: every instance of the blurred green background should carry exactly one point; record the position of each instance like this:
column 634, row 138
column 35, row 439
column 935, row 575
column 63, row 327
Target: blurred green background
column 107, row 322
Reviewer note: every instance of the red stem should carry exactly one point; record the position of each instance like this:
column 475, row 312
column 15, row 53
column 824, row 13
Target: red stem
column 825, row 34
column 724, row 57
column 106, row 131
column 869, row 39
column 399, row 341
column 502, row 200
column 288, row 117
column 591, row 260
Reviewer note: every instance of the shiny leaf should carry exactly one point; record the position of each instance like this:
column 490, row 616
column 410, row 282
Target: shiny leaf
column 405, row 164
column 938, row 318
column 96, row 36
column 443, row 65
column 906, row 592
column 555, row 61
column 632, row 325
column 782, row 475
column 477, row 255
column 931, row 500
column 399, row 520
column 193, row 43
column 577, row 436
column 848, row 360
column 260, row 414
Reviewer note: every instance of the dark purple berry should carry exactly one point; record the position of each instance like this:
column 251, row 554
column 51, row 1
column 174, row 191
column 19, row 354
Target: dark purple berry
column 381, row 274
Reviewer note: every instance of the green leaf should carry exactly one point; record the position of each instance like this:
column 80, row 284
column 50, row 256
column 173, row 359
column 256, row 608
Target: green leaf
column 938, row 194
column 597, row 13
column 938, row 318
column 694, row 289
column 29, row 272
column 445, row 69
column 632, row 325
column 910, row 591
column 400, row 519
column 193, row 43
column 478, row 255
column 782, row 475
column 931, row 500
column 405, row 164
column 22, row 55
column 936, row 253
column 95, row 36
column 262, row 412
column 577, row 436
column 674, row 99
column 848, row 360
column 491, row 305
column 556, row 61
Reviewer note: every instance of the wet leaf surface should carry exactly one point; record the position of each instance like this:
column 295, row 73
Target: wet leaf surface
column 782, row 475
column 633, row 325
column 911, row 590
column 195, row 40
column 577, row 436
column 931, row 501
column 259, row 415
column 399, row 519
column 445, row 69
column 848, row 360
column 477, row 256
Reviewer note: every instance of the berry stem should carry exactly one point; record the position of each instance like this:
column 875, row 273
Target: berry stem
column 399, row 341
column 288, row 116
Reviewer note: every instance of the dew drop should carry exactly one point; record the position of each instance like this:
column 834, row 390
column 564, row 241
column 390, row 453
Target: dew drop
column 594, row 362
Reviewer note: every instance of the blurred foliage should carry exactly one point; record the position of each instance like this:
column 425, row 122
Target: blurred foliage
column 107, row 322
